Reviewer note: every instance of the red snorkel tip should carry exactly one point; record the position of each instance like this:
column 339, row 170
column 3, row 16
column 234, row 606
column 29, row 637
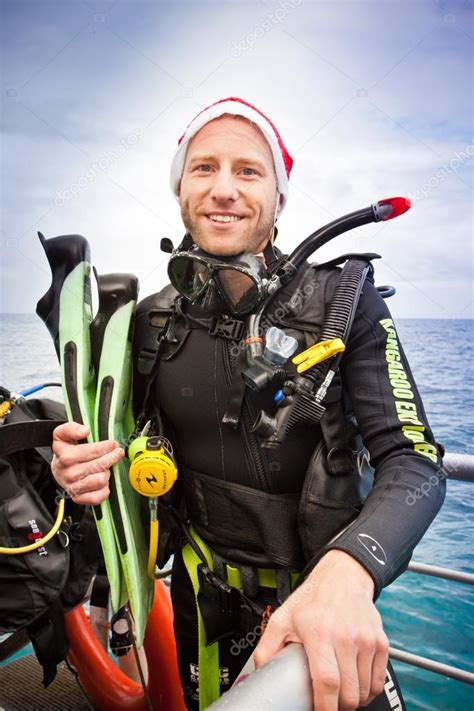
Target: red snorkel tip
column 391, row 207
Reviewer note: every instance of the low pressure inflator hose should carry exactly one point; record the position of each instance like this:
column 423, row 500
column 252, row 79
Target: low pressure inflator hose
column 41, row 541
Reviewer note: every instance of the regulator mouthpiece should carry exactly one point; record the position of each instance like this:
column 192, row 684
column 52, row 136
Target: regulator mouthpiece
column 278, row 346
column 268, row 368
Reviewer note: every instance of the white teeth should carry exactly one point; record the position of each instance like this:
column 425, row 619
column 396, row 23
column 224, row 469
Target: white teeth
column 224, row 218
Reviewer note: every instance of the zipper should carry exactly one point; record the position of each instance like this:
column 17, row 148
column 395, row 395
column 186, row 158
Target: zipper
column 253, row 452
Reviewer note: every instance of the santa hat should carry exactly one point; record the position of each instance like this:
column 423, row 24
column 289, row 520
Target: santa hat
column 235, row 106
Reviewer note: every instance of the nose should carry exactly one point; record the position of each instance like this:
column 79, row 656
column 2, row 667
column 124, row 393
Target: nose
column 224, row 187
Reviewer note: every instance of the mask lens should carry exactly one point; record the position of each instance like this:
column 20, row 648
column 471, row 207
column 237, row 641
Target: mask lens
column 239, row 290
column 188, row 276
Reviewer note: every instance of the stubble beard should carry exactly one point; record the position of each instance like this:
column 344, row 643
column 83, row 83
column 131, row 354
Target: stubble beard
column 247, row 240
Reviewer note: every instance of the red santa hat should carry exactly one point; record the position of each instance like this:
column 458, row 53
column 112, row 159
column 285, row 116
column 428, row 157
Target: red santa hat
column 236, row 107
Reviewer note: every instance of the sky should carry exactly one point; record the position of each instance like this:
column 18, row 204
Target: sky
column 372, row 99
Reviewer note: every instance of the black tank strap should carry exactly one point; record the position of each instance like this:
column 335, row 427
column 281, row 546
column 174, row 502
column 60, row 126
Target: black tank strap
column 100, row 589
column 341, row 459
column 19, row 436
column 49, row 639
column 366, row 256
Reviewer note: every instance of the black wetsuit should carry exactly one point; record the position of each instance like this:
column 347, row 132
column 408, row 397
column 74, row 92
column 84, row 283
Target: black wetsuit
column 193, row 391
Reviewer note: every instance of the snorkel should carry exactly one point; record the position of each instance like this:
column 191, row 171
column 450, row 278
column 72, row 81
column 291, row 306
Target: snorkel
column 381, row 211
column 300, row 398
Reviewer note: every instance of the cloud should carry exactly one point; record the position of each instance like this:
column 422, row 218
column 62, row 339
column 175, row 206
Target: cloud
column 370, row 98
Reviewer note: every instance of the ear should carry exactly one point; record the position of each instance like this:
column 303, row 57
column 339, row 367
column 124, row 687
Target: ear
column 178, row 189
column 278, row 205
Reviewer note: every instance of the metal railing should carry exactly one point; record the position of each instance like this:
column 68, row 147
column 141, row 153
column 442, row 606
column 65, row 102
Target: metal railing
column 459, row 467
column 432, row 665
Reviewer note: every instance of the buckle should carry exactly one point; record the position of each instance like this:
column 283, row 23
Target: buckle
column 341, row 461
column 215, row 588
column 230, row 328
column 146, row 361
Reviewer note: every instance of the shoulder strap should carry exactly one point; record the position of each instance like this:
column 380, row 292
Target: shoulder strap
column 151, row 321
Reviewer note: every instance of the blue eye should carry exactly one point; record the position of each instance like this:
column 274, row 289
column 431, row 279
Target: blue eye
column 206, row 166
column 252, row 171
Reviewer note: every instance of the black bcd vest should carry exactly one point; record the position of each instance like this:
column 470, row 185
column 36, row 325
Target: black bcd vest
column 241, row 523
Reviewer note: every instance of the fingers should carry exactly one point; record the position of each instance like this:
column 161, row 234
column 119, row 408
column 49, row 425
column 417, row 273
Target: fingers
column 99, row 491
column 74, row 462
column 70, row 432
column 325, row 676
column 83, row 469
column 379, row 666
column 64, row 439
column 355, row 666
column 272, row 641
column 70, row 468
column 90, row 483
column 364, row 670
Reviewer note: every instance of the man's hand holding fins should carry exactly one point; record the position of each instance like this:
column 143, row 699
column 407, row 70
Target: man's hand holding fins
column 83, row 470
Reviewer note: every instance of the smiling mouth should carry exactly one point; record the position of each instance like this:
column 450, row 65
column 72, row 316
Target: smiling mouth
column 223, row 219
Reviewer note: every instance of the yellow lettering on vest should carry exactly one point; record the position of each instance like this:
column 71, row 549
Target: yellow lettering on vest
column 427, row 450
column 412, row 434
column 403, row 394
column 406, row 412
column 386, row 323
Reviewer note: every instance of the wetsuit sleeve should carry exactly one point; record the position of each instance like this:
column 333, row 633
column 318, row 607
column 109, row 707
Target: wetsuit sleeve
column 409, row 486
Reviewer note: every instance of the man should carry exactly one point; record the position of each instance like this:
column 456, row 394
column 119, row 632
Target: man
column 230, row 175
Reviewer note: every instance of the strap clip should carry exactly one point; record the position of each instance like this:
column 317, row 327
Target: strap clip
column 341, row 461
column 215, row 588
column 229, row 328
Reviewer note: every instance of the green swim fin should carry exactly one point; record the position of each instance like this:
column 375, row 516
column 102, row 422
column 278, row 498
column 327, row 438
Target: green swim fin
column 66, row 310
column 112, row 420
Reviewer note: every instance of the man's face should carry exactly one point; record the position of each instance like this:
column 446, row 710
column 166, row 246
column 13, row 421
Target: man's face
column 229, row 171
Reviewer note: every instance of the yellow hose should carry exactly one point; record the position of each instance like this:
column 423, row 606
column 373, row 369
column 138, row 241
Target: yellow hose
column 154, row 530
column 41, row 541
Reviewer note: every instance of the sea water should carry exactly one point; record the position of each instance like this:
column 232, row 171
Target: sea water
column 423, row 615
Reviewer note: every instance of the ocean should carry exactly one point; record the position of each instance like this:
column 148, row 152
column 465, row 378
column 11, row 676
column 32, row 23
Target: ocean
column 430, row 617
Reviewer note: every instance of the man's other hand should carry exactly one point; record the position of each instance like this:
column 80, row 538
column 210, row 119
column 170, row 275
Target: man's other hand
column 333, row 616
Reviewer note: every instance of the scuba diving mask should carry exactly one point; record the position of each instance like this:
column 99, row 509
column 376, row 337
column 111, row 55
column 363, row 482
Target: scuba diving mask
column 233, row 284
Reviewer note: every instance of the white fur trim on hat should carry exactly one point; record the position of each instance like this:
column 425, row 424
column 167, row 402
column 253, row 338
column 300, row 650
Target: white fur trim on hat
column 234, row 106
